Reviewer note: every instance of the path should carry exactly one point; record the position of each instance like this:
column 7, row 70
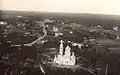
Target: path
column 40, row 38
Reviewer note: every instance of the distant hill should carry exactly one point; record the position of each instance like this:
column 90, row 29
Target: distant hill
column 83, row 18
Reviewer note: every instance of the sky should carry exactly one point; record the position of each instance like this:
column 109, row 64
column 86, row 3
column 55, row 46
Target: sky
column 67, row 6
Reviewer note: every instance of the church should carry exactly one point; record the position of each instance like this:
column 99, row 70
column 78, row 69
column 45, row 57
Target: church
column 67, row 58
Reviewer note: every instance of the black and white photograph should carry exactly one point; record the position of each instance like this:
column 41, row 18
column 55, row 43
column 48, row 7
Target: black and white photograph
column 59, row 37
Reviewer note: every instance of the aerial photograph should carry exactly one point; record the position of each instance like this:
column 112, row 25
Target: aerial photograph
column 60, row 37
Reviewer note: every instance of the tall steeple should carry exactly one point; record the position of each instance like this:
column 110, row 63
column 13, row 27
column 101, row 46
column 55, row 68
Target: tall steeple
column 61, row 47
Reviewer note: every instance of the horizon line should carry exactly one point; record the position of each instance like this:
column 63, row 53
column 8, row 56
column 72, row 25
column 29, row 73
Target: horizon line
column 59, row 12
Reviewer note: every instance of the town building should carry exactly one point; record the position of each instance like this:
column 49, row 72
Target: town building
column 55, row 29
column 67, row 58
column 56, row 32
